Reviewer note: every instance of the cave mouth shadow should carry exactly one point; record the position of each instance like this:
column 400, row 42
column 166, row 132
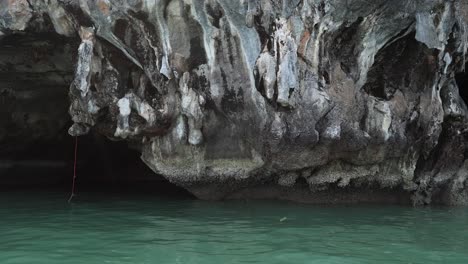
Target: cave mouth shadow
column 103, row 167
column 115, row 167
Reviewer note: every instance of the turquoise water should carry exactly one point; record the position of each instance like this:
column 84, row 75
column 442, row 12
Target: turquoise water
column 39, row 228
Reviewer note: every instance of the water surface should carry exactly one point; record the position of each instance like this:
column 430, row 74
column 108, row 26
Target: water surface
column 41, row 228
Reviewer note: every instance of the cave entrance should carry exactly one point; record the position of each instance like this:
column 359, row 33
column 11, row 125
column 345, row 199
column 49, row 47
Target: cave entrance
column 103, row 166
column 462, row 82
column 36, row 151
column 114, row 167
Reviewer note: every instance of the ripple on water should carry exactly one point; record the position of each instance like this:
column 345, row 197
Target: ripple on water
column 43, row 228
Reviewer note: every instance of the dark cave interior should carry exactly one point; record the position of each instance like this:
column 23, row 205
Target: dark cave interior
column 103, row 166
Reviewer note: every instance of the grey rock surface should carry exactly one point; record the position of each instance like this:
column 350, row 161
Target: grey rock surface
column 307, row 100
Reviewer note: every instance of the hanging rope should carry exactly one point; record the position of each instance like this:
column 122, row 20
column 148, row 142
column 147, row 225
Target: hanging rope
column 74, row 171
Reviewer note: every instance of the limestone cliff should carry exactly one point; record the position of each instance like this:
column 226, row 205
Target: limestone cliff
column 313, row 100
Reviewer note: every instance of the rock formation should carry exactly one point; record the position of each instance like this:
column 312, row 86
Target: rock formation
column 311, row 100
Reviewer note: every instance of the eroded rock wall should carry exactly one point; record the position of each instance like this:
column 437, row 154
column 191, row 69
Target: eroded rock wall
column 268, row 98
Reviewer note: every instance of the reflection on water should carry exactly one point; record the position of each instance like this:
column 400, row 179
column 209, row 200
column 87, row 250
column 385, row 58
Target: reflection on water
column 43, row 228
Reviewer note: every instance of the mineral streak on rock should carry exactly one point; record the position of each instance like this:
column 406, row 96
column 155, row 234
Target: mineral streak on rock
column 310, row 100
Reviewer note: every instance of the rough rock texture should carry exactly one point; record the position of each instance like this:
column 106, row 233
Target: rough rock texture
column 311, row 100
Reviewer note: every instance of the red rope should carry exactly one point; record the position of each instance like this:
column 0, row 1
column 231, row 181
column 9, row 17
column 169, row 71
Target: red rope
column 74, row 171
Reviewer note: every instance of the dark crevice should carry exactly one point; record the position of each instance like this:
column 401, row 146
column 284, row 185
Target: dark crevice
column 344, row 45
column 393, row 68
column 215, row 13
column 462, row 82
